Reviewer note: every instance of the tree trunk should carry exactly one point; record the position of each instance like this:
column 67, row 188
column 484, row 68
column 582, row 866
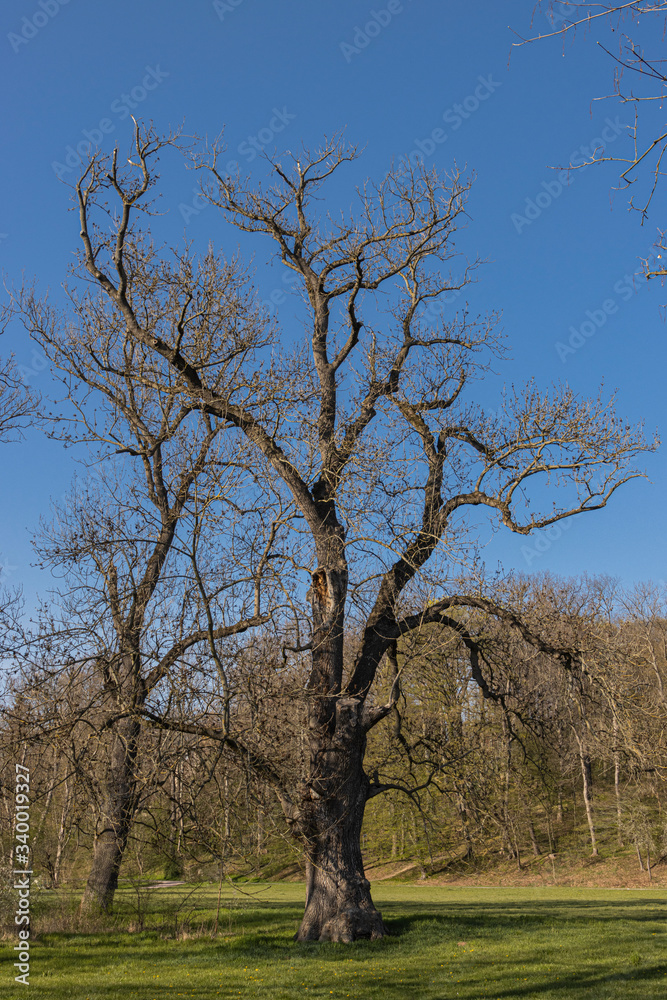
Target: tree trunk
column 461, row 808
column 47, row 804
column 550, row 833
column 338, row 897
column 587, row 778
column 227, row 825
column 260, row 830
column 115, row 819
column 507, row 838
column 333, row 798
column 180, row 843
column 63, row 834
column 617, row 785
column 533, row 837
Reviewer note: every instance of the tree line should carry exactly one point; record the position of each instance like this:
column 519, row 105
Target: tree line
column 570, row 762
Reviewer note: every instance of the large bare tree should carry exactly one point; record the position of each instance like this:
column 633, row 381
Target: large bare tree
column 379, row 446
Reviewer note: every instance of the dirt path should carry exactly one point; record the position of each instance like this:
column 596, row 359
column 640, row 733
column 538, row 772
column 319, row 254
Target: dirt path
column 616, row 872
column 163, row 885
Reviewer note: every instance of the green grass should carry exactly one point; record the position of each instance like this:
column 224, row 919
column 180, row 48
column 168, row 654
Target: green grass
column 547, row 943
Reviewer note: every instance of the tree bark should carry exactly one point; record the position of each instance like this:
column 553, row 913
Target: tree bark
column 116, row 814
column 339, row 906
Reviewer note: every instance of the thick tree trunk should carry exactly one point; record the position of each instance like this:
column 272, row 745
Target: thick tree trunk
column 116, row 815
column 338, row 897
column 339, row 906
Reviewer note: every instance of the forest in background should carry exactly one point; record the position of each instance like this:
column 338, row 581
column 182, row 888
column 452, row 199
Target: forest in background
column 567, row 766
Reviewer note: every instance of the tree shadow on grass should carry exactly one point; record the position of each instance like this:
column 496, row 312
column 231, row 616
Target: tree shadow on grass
column 505, row 916
column 642, row 984
column 532, row 931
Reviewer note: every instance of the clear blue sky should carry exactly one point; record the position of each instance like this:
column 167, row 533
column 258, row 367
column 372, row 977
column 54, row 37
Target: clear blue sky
column 285, row 72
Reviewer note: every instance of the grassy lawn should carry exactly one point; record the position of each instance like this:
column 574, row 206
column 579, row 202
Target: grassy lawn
column 474, row 943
